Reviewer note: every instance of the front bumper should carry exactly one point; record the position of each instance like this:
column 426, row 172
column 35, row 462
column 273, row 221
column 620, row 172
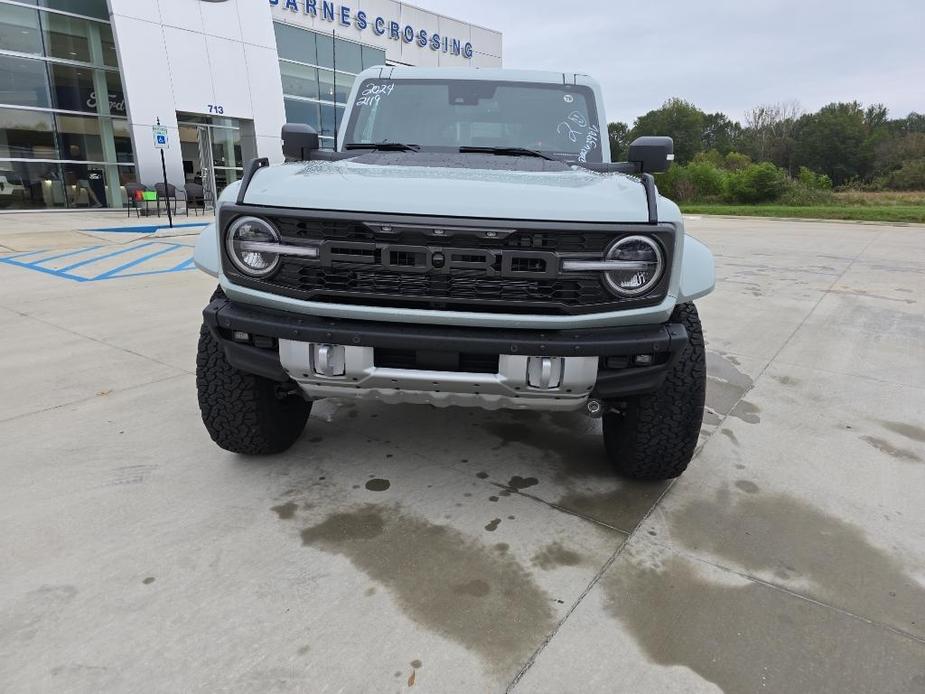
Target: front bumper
column 601, row 363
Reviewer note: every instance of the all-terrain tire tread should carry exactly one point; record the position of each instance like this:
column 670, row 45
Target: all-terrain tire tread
column 242, row 412
column 655, row 437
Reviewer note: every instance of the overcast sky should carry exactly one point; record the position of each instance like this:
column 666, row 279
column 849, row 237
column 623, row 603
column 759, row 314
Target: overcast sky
column 720, row 55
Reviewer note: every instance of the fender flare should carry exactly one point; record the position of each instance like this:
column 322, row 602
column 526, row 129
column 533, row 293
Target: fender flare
column 205, row 256
column 698, row 271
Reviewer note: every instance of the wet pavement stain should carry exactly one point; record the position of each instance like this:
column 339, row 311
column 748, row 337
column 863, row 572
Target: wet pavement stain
column 378, row 485
column 148, row 581
column 620, row 508
column 423, row 565
column 910, row 431
column 493, row 525
column 748, row 487
column 787, row 380
column 480, row 475
column 726, row 384
column 286, row 511
column 518, row 483
column 746, row 637
column 729, row 434
column 554, row 555
column 747, row 412
column 889, row 449
column 773, row 535
column 570, row 446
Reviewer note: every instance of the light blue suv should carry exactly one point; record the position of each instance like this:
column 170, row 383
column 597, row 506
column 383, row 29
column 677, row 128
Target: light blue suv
column 469, row 243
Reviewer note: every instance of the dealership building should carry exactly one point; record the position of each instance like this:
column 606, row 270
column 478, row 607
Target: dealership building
column 84, row 82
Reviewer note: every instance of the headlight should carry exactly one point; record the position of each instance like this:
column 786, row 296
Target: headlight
column 644, row 266
column 250, row 243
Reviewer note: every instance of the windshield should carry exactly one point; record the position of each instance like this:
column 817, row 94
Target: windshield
column 444, row 115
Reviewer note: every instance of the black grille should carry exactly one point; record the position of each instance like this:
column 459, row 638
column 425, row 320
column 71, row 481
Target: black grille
column 525, row 239
column 358, row 275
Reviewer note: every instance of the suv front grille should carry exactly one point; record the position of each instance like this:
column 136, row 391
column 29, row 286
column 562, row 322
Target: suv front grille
column 411, row 266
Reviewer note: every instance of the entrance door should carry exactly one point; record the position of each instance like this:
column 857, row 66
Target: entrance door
column 205, row 162
column 211, row 148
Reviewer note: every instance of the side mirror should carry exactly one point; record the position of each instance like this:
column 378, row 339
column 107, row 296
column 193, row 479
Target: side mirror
column 651, row 153
column 299, row 140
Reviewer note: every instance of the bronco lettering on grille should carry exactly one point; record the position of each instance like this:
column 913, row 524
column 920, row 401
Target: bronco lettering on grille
column 392, row 257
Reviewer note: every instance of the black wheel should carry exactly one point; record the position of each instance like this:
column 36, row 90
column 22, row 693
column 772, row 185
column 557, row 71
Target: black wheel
column 653, row 437
column 242, row 412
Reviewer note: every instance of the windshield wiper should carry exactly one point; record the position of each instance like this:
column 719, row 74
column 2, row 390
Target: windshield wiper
column 383, row 146
column 507, row 151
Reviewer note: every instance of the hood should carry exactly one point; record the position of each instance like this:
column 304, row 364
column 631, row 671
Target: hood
column 503, row 188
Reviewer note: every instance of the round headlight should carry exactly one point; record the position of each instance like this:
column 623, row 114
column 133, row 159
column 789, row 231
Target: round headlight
column 249, row 244
column 644, row 266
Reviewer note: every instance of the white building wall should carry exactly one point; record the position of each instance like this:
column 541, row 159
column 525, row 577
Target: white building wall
column 185, row 55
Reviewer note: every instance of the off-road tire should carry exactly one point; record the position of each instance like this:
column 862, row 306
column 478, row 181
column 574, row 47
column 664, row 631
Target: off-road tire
column 653, row 437
column 242, row 412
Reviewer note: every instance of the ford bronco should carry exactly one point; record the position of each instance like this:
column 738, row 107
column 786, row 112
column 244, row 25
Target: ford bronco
column 467, row 242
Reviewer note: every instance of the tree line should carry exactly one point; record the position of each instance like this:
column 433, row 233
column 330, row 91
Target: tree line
column 782, row 151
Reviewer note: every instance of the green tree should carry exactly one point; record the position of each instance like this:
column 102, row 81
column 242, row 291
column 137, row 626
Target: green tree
column 720, row 133
column 835, row 141
column 678, row 119
column 619, row 140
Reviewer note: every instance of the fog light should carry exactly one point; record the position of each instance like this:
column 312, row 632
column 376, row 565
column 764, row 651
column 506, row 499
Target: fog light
column 241, row 336
column 329, row 360
column 544, row 373
column 643, row 360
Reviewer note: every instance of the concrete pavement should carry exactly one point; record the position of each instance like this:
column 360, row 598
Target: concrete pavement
column 408, row 548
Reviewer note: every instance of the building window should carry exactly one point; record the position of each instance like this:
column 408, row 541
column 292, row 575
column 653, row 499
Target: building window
column 318, row 72
column 64, row 137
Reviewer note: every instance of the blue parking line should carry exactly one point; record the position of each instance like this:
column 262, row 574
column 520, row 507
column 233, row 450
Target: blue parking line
column 45, row 270
column 146, row 229
column 64, row 255
column 133, row 263
column 186, row 264
column 17, row 256
column 95, row 259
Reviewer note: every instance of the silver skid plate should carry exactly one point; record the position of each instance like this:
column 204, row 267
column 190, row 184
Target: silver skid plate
column 509, row 388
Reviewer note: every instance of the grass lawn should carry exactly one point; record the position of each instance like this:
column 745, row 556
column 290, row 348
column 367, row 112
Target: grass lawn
column 867, row 207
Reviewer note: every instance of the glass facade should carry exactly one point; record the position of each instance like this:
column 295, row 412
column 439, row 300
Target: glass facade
column 318, row 72
column 64, row 136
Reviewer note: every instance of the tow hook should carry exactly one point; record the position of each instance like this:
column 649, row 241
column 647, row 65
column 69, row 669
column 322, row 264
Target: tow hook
column 595, row 409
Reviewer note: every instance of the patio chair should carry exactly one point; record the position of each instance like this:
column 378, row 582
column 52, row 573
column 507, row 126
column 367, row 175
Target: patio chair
column 133, row 191
column 198, row 198
column 168, row 193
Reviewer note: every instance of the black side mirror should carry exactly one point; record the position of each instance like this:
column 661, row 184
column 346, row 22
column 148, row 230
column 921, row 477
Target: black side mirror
column 651, row 153
column 299, row 141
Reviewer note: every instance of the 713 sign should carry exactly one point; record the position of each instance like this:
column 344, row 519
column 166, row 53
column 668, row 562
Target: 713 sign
column 216, row 109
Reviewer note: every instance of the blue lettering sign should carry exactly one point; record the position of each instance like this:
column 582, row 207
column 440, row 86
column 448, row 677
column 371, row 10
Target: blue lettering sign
column 344, row 15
